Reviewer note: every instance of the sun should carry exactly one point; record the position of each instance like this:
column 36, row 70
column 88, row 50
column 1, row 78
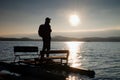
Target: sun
column 74, row 19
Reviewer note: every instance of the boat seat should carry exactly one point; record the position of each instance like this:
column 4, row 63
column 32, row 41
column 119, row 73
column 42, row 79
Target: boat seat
column 62, row 55
column 25, row 52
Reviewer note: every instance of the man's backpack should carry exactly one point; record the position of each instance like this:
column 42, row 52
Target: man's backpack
column 41, row 31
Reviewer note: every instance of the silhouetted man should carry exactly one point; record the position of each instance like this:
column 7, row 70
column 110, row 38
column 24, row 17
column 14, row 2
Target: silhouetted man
column 45, row 33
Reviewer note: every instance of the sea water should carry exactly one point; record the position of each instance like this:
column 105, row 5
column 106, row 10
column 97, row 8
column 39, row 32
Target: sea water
column 102, row 57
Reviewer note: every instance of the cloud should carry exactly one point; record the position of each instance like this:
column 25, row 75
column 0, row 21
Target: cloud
column 93, row 30
column 99, row 30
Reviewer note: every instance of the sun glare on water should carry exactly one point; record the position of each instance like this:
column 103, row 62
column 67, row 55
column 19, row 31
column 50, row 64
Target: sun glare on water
column 74, row 20
column 74, row 48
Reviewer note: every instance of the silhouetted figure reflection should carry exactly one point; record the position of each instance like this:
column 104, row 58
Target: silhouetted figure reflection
column 45, row 32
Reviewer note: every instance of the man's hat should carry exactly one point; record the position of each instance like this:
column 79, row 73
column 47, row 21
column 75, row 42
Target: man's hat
column 47, row 18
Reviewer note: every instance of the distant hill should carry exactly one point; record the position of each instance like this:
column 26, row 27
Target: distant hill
column 62, row 38
column 98, row 39
column 16, row 39
column 88, row 39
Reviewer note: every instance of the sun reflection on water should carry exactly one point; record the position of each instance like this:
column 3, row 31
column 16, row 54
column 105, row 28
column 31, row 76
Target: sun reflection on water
column 74, row 56
column 72, row 77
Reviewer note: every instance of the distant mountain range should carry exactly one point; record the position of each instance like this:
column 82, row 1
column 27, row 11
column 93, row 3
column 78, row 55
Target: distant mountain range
column 62, row 38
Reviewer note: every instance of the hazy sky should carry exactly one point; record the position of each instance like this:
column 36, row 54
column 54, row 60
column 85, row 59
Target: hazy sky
column 25, row 16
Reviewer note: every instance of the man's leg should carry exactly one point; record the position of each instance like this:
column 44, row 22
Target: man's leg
column 43, row 48
column 48, row 47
